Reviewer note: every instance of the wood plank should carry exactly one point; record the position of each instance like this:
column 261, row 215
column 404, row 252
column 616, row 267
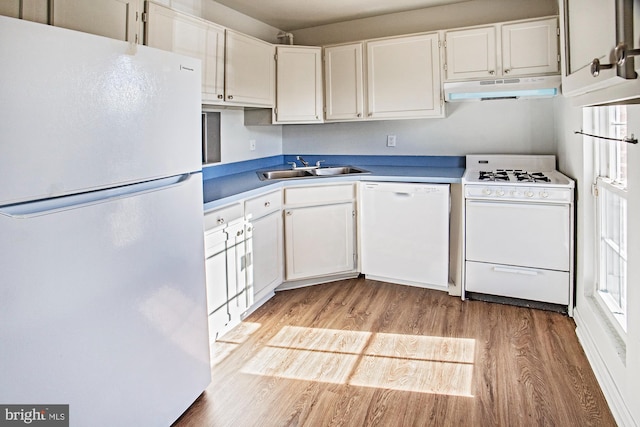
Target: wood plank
column 361, row 352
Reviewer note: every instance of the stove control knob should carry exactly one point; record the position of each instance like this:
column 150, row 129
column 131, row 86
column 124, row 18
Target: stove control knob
column 544, row 194
column 529, row 193
column 500, row 192
column 487, row 191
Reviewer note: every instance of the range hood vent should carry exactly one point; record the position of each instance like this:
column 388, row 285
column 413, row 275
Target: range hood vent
column 511, row 88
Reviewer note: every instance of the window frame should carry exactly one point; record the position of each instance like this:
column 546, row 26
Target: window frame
column 609, row 180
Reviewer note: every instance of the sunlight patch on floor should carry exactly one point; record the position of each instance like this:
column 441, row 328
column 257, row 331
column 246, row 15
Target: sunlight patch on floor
column 417, row 363
column 420, row 376
column 306, row 365
column 316, row 339
column 225, row 345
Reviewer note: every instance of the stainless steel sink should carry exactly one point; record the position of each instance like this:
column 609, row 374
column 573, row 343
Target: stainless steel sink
column 309, row 172
column 283, row 174
column 338, row 170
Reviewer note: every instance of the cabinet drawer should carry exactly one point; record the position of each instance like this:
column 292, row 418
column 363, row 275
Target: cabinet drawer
column 222, row 216
column 319, row 194
column 517, row 282
column 263, row 205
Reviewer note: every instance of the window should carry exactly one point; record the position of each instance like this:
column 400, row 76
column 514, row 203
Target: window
column 610, row 189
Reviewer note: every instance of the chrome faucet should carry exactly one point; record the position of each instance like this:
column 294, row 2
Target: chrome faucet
column 303, row 161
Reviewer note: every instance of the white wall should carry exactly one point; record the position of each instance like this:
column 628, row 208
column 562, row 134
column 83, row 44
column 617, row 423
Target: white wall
column 235, row 137
column 434, row 18
column 615, row 364
column 503, row 126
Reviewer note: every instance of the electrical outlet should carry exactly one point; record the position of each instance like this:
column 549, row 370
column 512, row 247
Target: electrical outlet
column 391, row 140
column 252, row 144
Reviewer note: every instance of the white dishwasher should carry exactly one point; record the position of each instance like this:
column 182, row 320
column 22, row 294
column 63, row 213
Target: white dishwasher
column 405, row 233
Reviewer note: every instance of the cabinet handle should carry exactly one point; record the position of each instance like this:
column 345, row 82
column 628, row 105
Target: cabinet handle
column 289, row 213
column 492, row 72
column 359, row 115
column 240, row 233
column 220, row 97
column 622, row 52
column 267, row 204
column 507, row 71
column 229, row 96
column 220, row 220
column 249, row 230
column 596, row 66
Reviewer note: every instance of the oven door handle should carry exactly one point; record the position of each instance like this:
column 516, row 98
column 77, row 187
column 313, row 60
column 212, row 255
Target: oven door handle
column 523, row 271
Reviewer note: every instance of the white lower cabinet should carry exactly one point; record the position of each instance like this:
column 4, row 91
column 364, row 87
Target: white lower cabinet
column 216, row 273
column 319, row 240
column 319, row 229
column 226, row 261
column 265, row 270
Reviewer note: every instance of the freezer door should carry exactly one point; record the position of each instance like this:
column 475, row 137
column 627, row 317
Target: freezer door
column 103, row 304
column 82, row 112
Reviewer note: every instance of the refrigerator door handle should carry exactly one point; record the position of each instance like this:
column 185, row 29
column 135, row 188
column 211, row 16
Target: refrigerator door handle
column 50, row 206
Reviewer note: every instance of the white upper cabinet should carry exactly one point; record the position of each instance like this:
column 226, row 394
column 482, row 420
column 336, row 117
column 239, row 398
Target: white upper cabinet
column 403, row 77
column 344, row 82
column 298, row 84
column 10, row 8
column 236, row 69
column 591, row 35
column 177, row 32
column 116, row 19
column 249, row 70
column 530, row 48
column 521, row 48
column 471, row 53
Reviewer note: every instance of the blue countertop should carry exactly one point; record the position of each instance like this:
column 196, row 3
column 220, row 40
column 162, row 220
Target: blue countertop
column 221, row 189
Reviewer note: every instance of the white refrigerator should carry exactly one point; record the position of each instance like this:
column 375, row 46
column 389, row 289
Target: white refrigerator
column 102, row 286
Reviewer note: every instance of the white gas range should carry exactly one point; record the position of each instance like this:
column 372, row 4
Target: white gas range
column 518, row 231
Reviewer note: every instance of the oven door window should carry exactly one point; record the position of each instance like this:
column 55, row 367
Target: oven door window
column 518, row 234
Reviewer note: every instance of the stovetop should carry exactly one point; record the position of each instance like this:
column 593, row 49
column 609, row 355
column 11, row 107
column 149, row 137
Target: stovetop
column 529, row 170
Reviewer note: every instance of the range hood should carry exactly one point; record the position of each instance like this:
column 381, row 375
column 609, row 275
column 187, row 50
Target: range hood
column 510, row 88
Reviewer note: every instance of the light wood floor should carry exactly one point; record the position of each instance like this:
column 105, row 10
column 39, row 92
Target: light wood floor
column 366, row 353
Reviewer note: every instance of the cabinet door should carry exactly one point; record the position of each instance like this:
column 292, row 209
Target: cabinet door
column 216, row 273
column 403, row 76
column 319, row 240
column 267, row 250
column 10, row 8
column 530, row 48
column 298, row 84
column 176, row 32
column 592, row 34
column 471, row 54
column 116, row 19
column 236, row 274
column 344, row 84
column 249, row 70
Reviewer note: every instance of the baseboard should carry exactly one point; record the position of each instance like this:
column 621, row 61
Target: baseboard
column 608, row 386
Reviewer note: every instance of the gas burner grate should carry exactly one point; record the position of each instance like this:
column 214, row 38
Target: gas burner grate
column 531, row 177
column 517, row 175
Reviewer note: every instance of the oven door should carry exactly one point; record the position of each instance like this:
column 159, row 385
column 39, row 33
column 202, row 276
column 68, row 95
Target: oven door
column 533, row 235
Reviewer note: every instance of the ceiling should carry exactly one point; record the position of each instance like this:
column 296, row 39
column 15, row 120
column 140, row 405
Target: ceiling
column 289, row 15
